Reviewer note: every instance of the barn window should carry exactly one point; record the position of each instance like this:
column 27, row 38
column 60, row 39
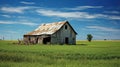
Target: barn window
column 65, row 26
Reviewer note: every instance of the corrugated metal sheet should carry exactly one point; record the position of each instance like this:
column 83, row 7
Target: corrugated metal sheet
column 49, row 28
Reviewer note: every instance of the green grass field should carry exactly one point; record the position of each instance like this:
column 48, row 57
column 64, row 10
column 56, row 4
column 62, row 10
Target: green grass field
column 84, row 54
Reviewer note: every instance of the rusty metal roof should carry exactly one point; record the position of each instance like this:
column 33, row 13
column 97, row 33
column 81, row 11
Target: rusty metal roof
column 48, row 28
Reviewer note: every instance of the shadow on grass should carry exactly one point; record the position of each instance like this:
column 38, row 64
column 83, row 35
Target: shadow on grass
column 82, row 44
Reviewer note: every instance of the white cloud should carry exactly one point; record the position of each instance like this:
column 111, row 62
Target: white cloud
column 14, row 9
column 114, row 17
column 83, row 7
column 69, row 14
column 78, row 14
column 29, row 23
column 7, row 22
column 112, row 12
column 100, row 28
column 7, row 16
column 19, row 22
column 24, row 2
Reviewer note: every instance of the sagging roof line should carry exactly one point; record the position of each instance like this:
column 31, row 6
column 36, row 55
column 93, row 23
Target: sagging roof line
column 49, row 28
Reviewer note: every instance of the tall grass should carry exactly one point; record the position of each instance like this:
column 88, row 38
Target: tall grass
column 84, row 54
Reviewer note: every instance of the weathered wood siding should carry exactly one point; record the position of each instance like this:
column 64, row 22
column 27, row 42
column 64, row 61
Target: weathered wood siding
column 59, row 36
column 33, row 38
column 29, row 38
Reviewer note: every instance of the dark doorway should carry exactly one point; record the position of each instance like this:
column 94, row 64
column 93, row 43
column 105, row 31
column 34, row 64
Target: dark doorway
column 29, row 39
column 66, row 40
column 46, row 40
column 37, row 40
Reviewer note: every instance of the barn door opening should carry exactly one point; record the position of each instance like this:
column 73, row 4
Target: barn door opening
column 46, row 40
column 37, row 40
column 66, row 40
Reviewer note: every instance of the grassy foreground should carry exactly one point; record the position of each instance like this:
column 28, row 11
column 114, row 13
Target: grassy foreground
column 84, row 54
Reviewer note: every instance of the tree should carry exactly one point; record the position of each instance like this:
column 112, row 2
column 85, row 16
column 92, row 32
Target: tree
column 89, row 37
column 105, row 39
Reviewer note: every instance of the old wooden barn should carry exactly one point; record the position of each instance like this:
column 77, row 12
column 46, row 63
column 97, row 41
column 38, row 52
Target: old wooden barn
column 52, row 33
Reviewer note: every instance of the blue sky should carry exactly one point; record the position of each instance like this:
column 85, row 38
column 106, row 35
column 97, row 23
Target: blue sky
column 101, row 18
